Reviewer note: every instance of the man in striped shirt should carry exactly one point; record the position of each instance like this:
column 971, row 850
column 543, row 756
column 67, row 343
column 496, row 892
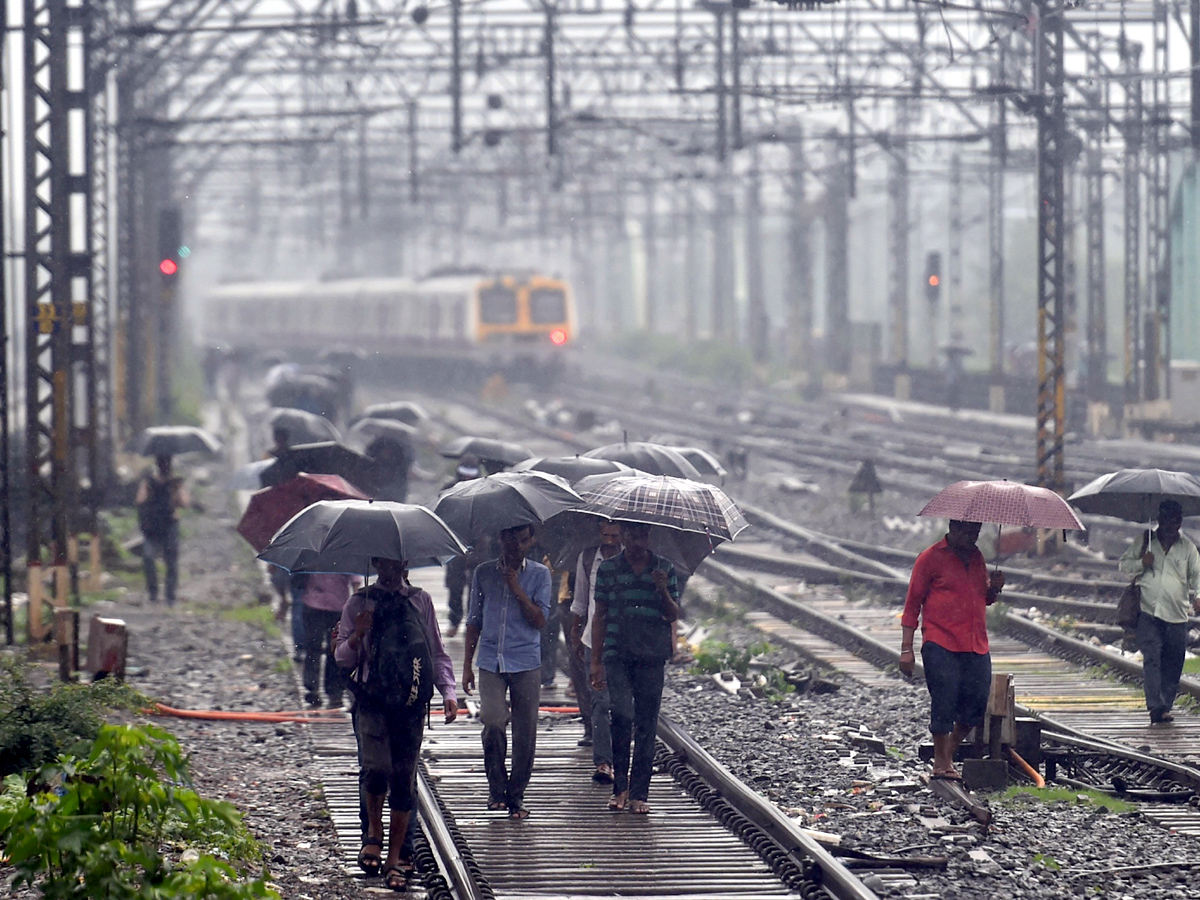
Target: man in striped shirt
column 637, row 600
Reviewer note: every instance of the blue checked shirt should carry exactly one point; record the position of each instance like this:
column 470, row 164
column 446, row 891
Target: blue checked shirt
column 507, row 642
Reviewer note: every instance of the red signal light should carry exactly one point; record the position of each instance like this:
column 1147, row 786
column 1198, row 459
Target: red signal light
column 168, row 267
column 934, row 281
column 558, row 337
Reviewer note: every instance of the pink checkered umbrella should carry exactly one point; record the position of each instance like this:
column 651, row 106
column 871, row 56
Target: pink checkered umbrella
column 1003, row 503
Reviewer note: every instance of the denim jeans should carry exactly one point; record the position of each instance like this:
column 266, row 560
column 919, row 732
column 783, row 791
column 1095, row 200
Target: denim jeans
column 1163, row 646
column 635, row 693
column 167, row 546
column 523, row 691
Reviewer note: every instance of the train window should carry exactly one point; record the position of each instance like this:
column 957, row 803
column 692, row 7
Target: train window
column 498, row 305
column 547, row 306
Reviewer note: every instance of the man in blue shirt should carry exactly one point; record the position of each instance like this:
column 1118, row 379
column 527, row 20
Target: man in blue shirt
column 509, row 603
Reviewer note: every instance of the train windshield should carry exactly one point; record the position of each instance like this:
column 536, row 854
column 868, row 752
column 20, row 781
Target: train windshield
column 498, row 305
column 547, row 306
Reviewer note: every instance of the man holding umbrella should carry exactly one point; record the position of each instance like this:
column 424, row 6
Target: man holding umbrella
column 1167, row 569
column 509, row 603
column 949, row 591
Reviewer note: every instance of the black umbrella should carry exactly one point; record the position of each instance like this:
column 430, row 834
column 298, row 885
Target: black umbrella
column 1134, row 494
column 656, row 459
column 571, row 468
column 172, row 440
column 480, row 508
column 405, row 411
column 370, row 428
column 505, row 452
column 328, row 458
column 343, row 535
column 302, row 426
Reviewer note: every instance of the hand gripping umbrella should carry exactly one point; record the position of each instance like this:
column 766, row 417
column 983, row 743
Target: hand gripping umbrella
column 344, row 535
column 480, row 508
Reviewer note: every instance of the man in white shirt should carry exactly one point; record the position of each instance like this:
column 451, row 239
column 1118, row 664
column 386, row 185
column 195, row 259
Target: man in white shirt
column 1167, row 567
column 583, row 607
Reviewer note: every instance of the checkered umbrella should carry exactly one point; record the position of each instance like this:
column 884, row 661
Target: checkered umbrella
column 1003, row 503
column 662, row 500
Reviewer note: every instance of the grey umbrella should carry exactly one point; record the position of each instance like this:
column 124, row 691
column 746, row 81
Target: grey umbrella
column 571, row 468
column 171, row 440
column 657, row 459
column 405, row 411
column 302, row 426
column 480, row 508
column 504, row 452
column 343, row 536
column 1134, row 494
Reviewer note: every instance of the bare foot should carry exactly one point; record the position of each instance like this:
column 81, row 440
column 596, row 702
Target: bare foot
column 641, row 807
column 617, row 802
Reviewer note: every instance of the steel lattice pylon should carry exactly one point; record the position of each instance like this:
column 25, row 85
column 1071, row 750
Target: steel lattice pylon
column 1051, row 136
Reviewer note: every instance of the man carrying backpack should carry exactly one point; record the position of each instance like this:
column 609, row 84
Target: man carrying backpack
column 389, row 636
column 159, row 498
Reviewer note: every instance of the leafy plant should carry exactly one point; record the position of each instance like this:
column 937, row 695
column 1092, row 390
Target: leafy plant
column 1050, row 794
column 97, row 826
column 720, row 656
column 36, row 725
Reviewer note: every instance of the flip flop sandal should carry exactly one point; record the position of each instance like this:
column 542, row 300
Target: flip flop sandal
column 640, row 807
column 617, row 803
column 520, row 813
column 603, row 774
column 396, row 879
column 497, row 805
column 945, row 776
column 370, row 862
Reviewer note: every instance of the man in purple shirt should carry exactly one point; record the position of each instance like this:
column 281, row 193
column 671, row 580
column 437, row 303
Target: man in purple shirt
column 390, row 741
column 510, row 600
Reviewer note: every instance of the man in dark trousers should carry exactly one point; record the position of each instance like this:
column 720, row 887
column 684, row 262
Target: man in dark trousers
column 1167, row 567
column 159, row 498
column 510, row 599
column 637, row 603
column 948, row 592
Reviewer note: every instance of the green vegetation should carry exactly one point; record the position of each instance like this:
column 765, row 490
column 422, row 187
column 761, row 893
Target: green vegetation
column 103, row 825
column 259, row 614
column 1191, row 666
column 36, row 724
column 1046, row 861
column 1026, row 794
column 720, row 656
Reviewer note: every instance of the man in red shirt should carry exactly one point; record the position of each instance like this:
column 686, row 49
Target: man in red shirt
column 949, row 591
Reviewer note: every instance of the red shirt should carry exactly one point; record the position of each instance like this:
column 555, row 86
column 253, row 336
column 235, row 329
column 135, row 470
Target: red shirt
column 950, row 597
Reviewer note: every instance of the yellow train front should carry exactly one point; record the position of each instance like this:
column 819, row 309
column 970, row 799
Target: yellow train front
column 452, row 329
column 524, row 324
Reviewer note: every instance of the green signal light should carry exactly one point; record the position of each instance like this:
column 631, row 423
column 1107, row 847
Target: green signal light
column 185, row 251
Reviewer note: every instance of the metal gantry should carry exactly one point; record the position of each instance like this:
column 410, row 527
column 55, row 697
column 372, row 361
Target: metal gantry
column 731, row 134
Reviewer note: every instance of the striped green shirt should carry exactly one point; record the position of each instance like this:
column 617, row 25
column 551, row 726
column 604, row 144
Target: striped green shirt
column 635, row 623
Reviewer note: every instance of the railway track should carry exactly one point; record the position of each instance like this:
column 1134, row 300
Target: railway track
column 708, row 837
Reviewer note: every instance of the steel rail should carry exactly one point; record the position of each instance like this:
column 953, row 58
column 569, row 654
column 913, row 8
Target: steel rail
column 835, row 877
column 433, row 821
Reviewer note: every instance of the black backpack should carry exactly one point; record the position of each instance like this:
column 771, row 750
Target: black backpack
column 400, row 664
column 157, row 512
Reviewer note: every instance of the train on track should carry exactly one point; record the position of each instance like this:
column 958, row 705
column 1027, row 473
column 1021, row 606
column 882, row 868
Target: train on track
column 457, row 324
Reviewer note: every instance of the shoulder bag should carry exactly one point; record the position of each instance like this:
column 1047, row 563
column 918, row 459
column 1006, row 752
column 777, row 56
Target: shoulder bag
column 1129, row 607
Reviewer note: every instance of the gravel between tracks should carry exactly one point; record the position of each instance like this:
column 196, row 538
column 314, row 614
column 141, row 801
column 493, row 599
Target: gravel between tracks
column 799, row 753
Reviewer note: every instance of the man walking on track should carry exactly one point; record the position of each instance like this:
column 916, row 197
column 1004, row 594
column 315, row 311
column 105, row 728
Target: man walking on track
column 949, row 592
column 388, row 634
column 510, row 600
column 1167, row 567
column 637, row 602
column 159, row 498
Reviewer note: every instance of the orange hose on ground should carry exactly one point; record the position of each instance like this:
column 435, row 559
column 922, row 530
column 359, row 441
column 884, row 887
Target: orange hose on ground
column 217, row 715
column 1025, row 767
column 573, row 710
